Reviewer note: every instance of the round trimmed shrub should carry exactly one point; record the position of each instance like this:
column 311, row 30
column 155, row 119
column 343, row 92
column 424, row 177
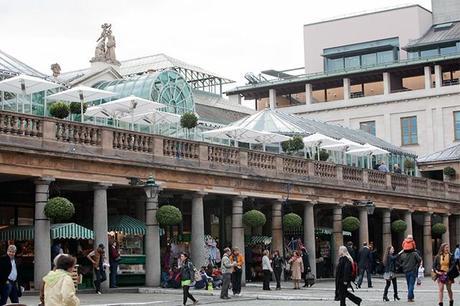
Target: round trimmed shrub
column 292, row 221
column 398, row 226
column 449, row 171
column 409, row 164
column 75, row 108
column 292, row 145
column 350, row 224
column 169, row 215
column 438, row 229
column 323, row 155
column 254, row 218
column 188, row 120
column 59, row 110
column 59, row 209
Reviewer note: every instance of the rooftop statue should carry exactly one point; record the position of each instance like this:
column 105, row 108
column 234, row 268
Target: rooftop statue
column 105, row 48
column 56, row 70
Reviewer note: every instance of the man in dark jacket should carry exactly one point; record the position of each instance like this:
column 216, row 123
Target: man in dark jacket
column 9, row 277
column 306, row 265
column 364, row 260
column 351, row 250
column 410, row 261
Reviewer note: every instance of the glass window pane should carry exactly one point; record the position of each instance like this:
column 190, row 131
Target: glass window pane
column 368, row 126
column 457, row 125
column 429, row 53
column 369, row 59
column 409, row 130
column 412, row 55
column 449, row 50
column 352, row 62
column 385, row 57
column 334, row 64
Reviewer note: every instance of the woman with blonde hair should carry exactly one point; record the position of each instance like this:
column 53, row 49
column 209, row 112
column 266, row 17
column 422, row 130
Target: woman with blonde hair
column 267, row 268
column 297, row 269
column 442, row 263
column 343, row 277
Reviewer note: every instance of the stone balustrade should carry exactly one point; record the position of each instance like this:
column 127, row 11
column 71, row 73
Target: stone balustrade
column 107, row 141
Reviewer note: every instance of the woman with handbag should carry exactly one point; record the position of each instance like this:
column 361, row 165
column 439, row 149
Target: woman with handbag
column 389, row 274
column 442, row 266
column 187, row 275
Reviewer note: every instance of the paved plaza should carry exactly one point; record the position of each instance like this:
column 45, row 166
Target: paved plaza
column 321, row 294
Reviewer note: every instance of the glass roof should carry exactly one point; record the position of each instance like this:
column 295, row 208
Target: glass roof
column 450, row 153
column 11, row 65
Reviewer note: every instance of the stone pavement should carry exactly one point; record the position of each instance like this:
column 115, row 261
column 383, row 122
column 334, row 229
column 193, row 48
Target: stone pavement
column 253, row 295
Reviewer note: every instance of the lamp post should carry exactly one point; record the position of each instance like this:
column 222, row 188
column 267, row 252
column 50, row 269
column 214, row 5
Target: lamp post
column 152, row 235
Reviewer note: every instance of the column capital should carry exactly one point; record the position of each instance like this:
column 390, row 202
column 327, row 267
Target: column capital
column 199, row 194
column 101, row 186
column 239, row 197
column 44, row 180
column 314, row 202
column 428, row 213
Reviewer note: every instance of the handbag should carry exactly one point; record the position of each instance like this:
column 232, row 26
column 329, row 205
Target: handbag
column 453, row 272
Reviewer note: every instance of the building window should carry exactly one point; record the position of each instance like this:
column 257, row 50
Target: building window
column 352, row 62
column 368, row 126
column 409, row 130
column 334, row 64
column 457, row 125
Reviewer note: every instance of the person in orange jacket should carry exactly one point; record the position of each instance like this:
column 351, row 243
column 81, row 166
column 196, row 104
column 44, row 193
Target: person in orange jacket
column 237, row 273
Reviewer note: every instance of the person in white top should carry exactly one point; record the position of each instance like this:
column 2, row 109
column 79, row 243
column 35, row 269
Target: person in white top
column 9, row 277
column 267, row 268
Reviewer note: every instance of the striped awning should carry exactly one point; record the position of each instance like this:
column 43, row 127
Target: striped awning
column 266, row 240
column 70, row 231
column 58, row 231
column 127, row 225
column 328, row 231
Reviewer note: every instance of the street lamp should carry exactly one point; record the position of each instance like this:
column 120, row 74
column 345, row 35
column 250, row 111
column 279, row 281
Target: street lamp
column 151, row 188
column 367, row 204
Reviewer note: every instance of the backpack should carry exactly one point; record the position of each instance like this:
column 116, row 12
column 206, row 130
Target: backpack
column 354, row 271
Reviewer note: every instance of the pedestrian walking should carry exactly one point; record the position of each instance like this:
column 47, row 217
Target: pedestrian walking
column 344, row 277
column 267, row 269
column 442, row 264
column 237, row 273
column 97, row 257
column 364, row 265
column 389, row 274
column 410, row 261
column 227, row 268
column 306, row 265
column 351, row 250
column 9, row 276
column 297, row 269
column 457, row 253
column 114, row 258
column 187, row 275
column 277, row 263
column 59, row 288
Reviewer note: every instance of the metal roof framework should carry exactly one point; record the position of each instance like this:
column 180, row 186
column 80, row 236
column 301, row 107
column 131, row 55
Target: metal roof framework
column 448, row 154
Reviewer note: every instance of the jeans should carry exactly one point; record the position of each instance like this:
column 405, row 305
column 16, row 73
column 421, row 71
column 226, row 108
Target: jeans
column 113, row 274
column 100, row 278
column 267, row 277
column 186, row 294
column 411, row 277
column 278, row 277
column 236, row 281
column 361, row 276
column 10, row 289
column 225, row 285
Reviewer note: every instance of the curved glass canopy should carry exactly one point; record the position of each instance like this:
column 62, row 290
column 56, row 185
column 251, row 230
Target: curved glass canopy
column 167, row 87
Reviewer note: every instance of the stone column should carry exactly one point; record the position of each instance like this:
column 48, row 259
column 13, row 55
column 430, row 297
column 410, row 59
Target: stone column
column 427, row 243
column 308, row 94
column 408, row 220
column 309, row 233
column 346, row 88
column 277, row 227
column 337, row 233
column 238, row 230
column 364, row 227
column 386, row 83
column 42, row 240
column 152, row 243
column 437, row 76
column 427, row 74
column 446, row 235
column 197, row 247
column 386, row 230
column 457, row 230
column 100, row 223
column 272, row 98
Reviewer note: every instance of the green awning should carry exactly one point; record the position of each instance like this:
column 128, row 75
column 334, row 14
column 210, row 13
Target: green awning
column 328, row 231
column 58, row 231
column 266, row 240
column 127, row 225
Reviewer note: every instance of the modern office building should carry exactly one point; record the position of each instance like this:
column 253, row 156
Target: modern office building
column 393, row 73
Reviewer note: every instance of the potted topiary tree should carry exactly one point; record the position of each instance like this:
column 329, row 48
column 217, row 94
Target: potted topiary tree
column 254, row 218
column 438, row 229
column 188, row 121
column 59, row 209
column 350, row 224
column 449, row 172
column 398, row 226
column 323, row 155
column 59, row 110
column 293, row 145
column 75, row 108
column 292, row 221
column 168, row 215
column 409, row 166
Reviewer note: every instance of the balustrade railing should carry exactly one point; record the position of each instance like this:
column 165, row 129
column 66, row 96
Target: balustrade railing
column 399, row 182
column 352, row 175
column 183, row 149
column 20, row 125
column 223, row 155
column 377, row 178
column 67, row 131
column 295, row 166
column 325, row 170
column 132, row 141
column 419, row 185
column 261, row 160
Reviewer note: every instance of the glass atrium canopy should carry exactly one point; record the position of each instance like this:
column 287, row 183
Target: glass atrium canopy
column 167, row 87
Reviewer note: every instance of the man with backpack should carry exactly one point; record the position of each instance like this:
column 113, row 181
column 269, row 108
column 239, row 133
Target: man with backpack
column 364, row 265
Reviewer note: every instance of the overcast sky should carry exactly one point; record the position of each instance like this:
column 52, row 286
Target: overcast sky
column 229, row 38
